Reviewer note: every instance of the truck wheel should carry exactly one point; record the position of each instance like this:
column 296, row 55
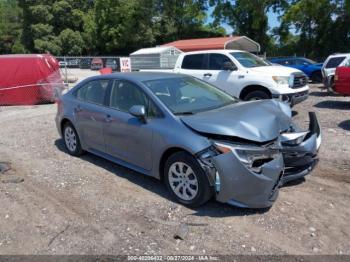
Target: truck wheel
column 256, row 95
column 316, row 77
column 186, row 180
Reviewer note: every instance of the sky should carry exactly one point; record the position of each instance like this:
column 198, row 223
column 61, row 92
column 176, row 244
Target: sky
column 273, row 20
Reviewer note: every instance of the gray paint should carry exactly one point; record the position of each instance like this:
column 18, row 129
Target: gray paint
column 126, row 140
column 243, row 120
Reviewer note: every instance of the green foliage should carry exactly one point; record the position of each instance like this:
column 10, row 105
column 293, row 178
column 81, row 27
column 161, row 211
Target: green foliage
column 247, row 18
column 90, row 27
column 10, row 27
column 71, row 42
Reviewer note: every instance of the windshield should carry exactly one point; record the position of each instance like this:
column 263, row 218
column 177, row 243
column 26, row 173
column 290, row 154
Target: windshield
column 249, row 60
column 188, row 95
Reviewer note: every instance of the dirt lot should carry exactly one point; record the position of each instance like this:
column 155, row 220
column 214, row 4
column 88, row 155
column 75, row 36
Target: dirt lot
column 52, row 203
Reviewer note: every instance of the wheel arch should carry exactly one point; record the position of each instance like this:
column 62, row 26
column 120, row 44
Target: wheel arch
column 64, row 121
column 250, row 88
column 166, row 154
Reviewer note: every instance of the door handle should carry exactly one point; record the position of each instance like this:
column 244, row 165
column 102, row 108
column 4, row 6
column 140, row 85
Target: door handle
column 78, row 109
column 207, row 74
column 108, row 119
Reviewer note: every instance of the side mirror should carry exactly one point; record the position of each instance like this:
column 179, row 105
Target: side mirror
column 139, row 112
column 229, row 66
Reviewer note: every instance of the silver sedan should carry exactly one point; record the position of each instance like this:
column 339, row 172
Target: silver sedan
column 202, row 142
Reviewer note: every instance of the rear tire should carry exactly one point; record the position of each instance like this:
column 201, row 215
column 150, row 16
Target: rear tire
column 71, row 140
column 256, row 95
column 316, row 77
column 186, row 180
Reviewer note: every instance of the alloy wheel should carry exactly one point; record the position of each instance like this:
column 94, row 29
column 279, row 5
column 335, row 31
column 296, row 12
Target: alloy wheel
column 183, row 181
column 70, row 139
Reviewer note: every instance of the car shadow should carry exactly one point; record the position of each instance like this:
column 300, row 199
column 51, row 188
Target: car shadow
column 340, row 105
column 345, row 125
column 294, row 182
column 212, row 208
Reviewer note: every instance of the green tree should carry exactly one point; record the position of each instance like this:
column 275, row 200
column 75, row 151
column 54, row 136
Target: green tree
column 10, row 26
column 182, row 19
column 313, row 22
column 247, row 18
column 122, row 25
column 71, row 42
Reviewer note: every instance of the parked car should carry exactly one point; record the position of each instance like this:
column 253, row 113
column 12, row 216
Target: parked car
column 342, row 80
column 73, row 63
column 96, row 63
column 85, row 63
column 113, row 63
column 62, row 64
column 308, row 66
column 201, row 141
column 244, row 75
column 329, row 67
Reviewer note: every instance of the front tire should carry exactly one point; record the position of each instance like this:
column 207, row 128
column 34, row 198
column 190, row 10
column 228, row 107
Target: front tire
column 186, row 180
column 71, row 140
column 256, row 95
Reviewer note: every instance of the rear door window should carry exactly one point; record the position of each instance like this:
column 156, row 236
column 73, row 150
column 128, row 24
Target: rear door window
column 216, row 61
column 194, row 62
column 334, row 62
column 93, row 92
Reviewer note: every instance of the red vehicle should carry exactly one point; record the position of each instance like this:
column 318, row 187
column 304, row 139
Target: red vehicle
column 29, row 79
column 342, row 80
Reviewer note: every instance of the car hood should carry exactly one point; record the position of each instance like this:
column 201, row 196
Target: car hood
column 258, row 121
column 274, row 70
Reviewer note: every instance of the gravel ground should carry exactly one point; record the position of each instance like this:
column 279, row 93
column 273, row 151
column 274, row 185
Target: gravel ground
column 52, row 203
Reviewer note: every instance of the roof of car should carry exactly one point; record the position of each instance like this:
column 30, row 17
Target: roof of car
column 339, row 54
column 139, row 76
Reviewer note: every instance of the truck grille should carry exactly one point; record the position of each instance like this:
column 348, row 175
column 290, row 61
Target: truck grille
column 300, row 80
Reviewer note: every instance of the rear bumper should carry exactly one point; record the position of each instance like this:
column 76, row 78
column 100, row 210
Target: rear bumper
column 241, row 187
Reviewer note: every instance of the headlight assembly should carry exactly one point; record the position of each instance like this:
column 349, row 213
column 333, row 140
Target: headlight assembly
column 292, row 139
column 252, row 157
column 282, row 80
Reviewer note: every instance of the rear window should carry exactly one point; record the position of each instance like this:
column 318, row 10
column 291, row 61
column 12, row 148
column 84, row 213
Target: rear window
column 193, row 61
column 334, row 62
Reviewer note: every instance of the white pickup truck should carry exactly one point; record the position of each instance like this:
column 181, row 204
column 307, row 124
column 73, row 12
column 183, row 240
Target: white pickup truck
column 244, row 75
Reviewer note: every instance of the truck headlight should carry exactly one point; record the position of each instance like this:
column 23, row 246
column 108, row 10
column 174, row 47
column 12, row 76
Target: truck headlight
column 282, row 80
column 252, row 157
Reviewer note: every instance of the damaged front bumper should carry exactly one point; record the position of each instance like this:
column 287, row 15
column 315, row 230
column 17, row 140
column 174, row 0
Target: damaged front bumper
column 235, row 184
column 301, row 158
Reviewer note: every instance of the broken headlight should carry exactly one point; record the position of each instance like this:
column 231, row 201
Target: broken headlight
column 292, row 139
column 253, row 157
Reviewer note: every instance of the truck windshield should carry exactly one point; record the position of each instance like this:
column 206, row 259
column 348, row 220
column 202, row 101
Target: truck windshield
column 249, row 60
column 187, row 95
